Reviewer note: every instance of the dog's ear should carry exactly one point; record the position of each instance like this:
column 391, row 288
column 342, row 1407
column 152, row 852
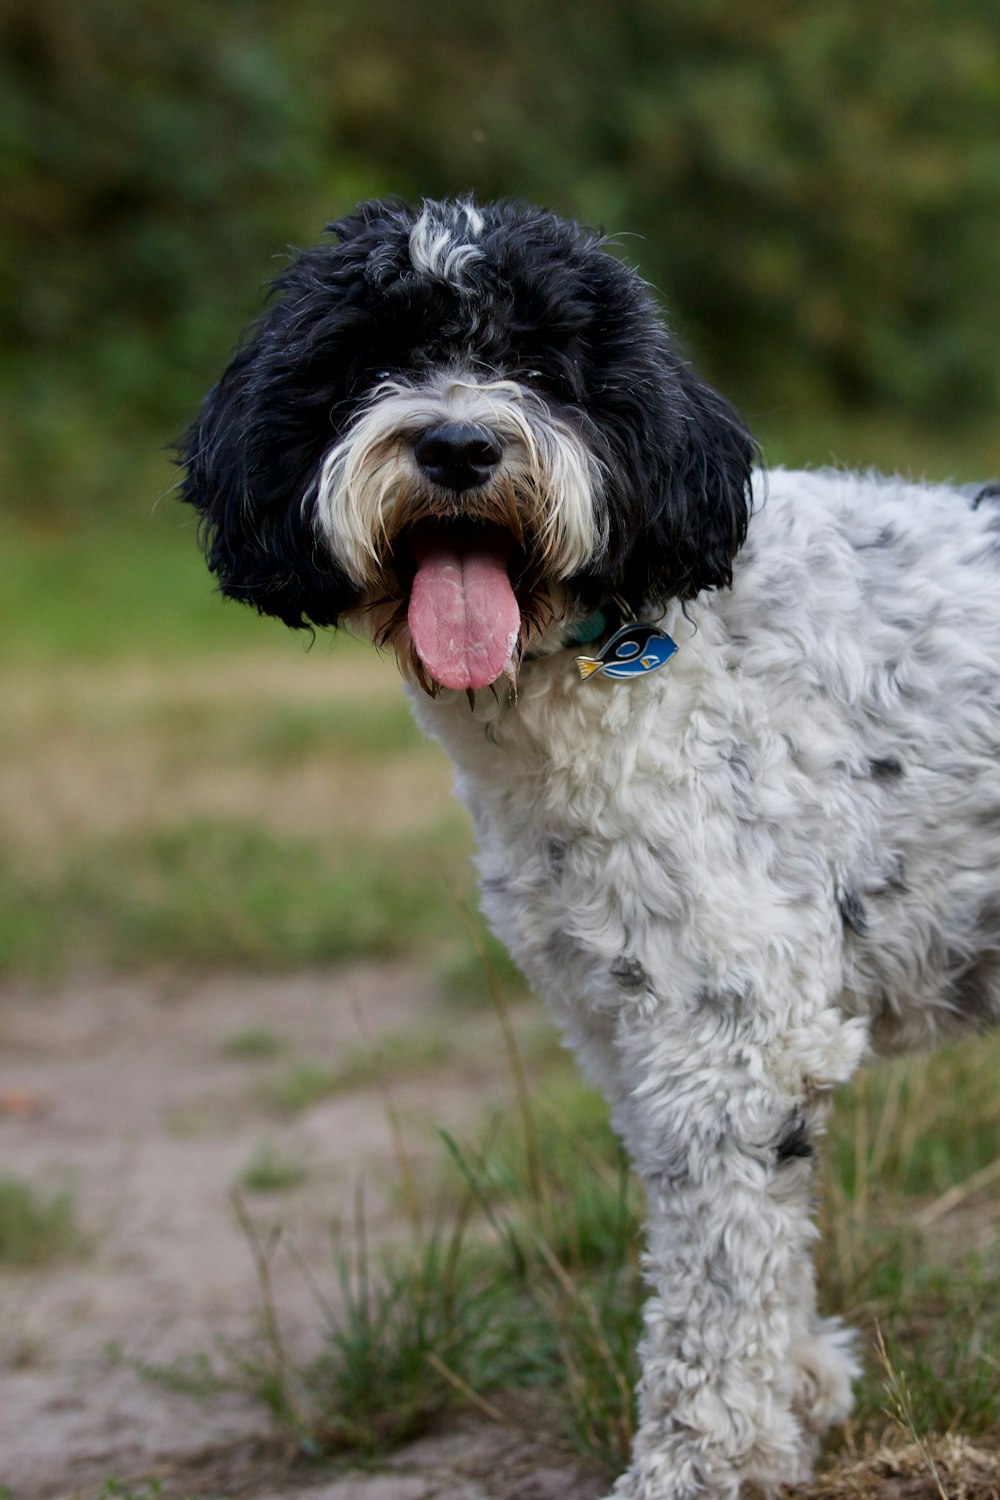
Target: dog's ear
column 248, row 474
column 692, row 502
column 702, row 522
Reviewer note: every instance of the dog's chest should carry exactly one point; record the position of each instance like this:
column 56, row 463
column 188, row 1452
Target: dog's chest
column 635, row 847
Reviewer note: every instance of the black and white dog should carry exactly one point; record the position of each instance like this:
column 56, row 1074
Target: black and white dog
column 730, row 744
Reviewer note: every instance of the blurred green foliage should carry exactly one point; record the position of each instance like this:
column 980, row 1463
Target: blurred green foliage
column 816, row 189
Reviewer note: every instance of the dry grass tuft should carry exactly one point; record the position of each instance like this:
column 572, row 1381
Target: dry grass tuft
column 961, row 1471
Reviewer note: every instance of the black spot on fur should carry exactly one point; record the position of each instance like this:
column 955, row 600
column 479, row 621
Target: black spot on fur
column 852, row 912
column 741, row 761
column 794, row 1141
column 723, row 1002
column 893, row 880
column 974, row 988
column 886, row 768
column 975, row 992
column 629, row 973
column 983, row 492
column 884, row 537
column 556, row 851
column 562, row 950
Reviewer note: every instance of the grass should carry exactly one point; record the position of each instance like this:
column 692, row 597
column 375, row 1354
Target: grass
column 906, row 1249
column 253, row 1043
column 36, row 1229
column 270, row 1172
column 119, row 583
column 525, row 1276
column 300, row 1087
column 399, row 1055
column 513, row 1282
column 116, row 1489
column 214, row 892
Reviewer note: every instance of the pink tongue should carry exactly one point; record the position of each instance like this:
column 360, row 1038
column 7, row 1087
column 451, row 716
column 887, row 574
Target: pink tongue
column 463, row 616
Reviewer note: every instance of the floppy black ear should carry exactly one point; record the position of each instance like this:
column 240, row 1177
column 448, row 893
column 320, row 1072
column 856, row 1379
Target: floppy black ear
column 703, row 522
column 248, row 473
column 678, row 488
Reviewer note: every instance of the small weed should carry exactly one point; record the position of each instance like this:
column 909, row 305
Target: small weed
column 405, row 1326
column 253, row 1042
column 269, row 1172
column 302, row 1086
column 35, row 1230
column 190, row 1375
column 114, row 1489
column 402, row 1055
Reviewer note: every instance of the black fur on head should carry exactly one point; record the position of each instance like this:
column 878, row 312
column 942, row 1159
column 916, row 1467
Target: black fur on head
column 511, row 293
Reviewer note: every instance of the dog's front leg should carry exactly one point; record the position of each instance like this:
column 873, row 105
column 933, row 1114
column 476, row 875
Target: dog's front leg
column 739, row 1375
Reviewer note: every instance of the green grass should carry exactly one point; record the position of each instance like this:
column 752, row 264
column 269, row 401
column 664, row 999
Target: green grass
column 400, row 1055
column 300, row 1087
column 884, row 440
column 110, row 591
column 116, row 1489
column 214, row 893
column 379, row 729
column 515, row 1280
column 36, row 1229
column 270, row 1172
column 525, row 1275
column 253, row 1043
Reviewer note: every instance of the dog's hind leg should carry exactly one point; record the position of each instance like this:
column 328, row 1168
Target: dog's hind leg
column 739, row 1374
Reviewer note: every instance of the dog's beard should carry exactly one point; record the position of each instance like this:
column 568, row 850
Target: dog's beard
column 503, row 544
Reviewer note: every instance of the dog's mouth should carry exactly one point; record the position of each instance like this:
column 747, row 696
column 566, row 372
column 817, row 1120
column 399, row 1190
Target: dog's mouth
column 463, row 615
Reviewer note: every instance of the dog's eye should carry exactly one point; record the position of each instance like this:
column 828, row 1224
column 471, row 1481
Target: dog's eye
column 381, row 375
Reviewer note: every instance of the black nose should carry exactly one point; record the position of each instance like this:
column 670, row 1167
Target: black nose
column 458, row 455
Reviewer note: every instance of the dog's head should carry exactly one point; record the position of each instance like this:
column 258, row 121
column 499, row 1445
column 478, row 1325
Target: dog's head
column 455, row 424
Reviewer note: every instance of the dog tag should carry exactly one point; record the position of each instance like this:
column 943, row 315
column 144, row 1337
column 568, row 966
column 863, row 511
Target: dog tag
column 632, row 651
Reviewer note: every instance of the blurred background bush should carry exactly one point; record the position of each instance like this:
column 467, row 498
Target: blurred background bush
column 815, row 190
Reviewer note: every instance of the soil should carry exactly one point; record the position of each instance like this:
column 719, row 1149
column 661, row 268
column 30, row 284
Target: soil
column 125, row 1093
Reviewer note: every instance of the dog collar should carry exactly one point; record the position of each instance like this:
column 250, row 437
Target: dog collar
column 588, row 630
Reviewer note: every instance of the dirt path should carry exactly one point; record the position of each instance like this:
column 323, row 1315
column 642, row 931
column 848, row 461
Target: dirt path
column 144, row 1103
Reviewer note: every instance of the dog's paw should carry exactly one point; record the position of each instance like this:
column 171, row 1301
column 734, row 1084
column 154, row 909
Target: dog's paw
column 826, row 1366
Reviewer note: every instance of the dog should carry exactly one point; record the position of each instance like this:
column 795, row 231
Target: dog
column 729, row 739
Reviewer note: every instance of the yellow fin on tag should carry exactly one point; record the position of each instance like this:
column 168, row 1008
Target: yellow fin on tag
column 588, row 666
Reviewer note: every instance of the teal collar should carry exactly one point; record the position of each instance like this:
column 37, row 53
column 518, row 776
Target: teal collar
column 589, row 629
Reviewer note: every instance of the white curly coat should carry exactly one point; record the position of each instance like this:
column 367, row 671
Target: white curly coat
column 733, row 880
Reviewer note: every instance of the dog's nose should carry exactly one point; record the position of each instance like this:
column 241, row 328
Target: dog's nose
column 458, row 455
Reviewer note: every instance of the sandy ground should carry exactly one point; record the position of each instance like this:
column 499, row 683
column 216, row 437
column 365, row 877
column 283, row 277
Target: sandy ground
column 123, row 1092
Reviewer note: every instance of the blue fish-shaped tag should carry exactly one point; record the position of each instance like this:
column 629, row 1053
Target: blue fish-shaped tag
column 632, row 651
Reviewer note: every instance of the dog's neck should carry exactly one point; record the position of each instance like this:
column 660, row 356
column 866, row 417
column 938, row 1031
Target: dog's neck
column 552, row 720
